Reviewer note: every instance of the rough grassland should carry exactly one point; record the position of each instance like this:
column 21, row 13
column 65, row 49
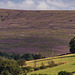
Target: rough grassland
column 68, row 66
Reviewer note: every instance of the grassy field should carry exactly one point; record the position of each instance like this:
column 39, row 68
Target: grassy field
column 68, row 60
column 57, row 59
column 70, row 67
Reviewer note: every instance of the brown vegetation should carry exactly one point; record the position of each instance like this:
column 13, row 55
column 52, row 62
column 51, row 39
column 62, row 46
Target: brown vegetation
column 45, row 32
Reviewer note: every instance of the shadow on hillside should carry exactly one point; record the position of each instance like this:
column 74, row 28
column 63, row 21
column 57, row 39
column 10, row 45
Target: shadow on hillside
column 73, row 64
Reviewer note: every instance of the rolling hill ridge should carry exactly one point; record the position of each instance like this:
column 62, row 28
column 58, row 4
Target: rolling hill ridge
column 45, row 32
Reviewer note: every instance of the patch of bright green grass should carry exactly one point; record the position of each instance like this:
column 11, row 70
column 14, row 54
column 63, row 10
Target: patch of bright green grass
column 70, row 67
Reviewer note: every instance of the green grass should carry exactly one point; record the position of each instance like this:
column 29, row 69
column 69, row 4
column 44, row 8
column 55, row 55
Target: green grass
column 58, row 59
column 70, row 67
column 68, row 60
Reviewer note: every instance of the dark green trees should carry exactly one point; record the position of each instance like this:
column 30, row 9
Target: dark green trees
column 38, row 56
column 9, row 67
column 72, row 45
column 5, row 72
column 64, row 73
column 21, row 62
column 27, row 57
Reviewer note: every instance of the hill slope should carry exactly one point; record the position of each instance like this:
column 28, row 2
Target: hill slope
column 68, row 60
column 45, row 32
column 69, row 67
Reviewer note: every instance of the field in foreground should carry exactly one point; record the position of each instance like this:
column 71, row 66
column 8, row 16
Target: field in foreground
column 69, row 65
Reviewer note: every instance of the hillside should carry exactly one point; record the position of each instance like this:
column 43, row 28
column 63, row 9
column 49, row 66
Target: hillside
column 69, row 67
column 45, row 32
column 68, row 60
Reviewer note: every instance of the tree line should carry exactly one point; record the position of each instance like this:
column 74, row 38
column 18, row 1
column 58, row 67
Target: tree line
column 26, row 56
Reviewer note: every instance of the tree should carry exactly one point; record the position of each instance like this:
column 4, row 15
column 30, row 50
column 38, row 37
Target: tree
column 5, row 72
column 38, row 56
column 35, row 63
column 15, row 56
column 51, row 63
column 21, row 62
column 9, row 67
column 27, row 57
column 72, row 45
column 64, row 73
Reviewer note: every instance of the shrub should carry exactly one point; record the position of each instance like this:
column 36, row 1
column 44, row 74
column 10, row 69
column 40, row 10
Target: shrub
column 28, row 69
column 51, row 63
column 36, row 68
column 27, row 57
column 42, row 66
column 38, row 74
column 64, row 73
column 38, row 56
column 21, row 62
